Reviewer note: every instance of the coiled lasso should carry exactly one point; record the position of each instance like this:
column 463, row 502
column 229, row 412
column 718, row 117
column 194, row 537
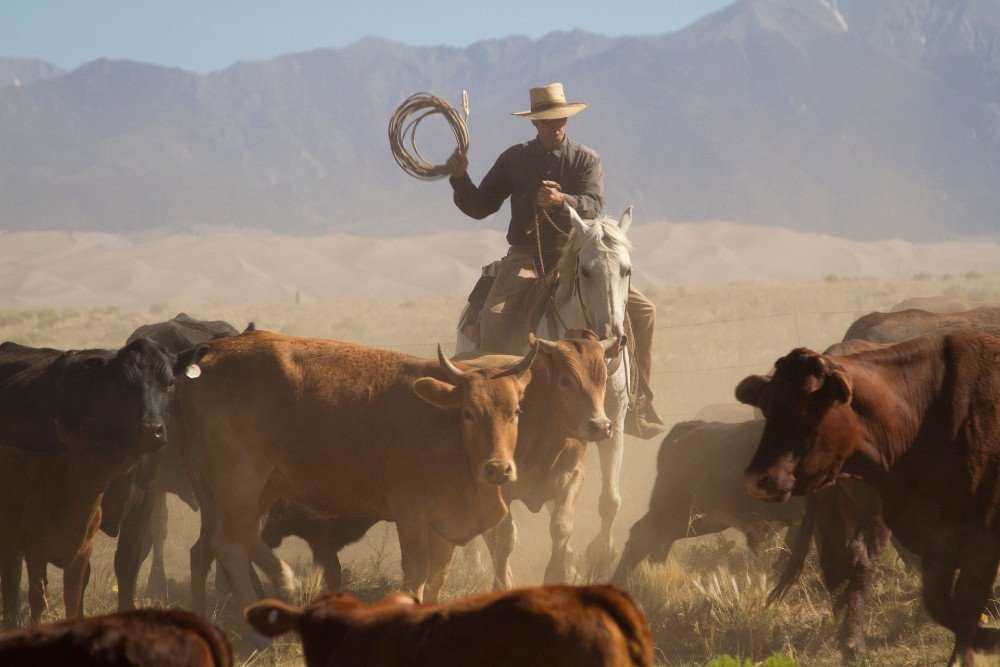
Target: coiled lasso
column 403, row 129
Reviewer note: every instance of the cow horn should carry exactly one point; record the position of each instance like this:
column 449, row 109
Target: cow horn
column 608, row 343
column 541, row 342
column 522, row 366
column 453, row 372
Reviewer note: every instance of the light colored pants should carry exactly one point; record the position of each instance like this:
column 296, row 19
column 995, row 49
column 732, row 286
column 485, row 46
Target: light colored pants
column 498, row 320
column 514, row 277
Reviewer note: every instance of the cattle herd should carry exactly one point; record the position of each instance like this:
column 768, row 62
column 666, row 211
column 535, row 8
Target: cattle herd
column 892, row 434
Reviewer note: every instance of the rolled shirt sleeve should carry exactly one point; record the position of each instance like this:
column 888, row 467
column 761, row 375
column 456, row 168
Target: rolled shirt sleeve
column 489, row 196
column 589, row 199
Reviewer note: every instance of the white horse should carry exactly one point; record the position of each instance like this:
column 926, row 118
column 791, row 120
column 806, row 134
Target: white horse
column 595, row 272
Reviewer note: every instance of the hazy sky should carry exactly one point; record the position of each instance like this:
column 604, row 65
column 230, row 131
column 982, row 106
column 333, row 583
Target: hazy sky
column 206, row 35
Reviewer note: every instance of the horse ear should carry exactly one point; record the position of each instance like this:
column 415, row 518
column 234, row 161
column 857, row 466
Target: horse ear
column 578, row 224
column 626, row 220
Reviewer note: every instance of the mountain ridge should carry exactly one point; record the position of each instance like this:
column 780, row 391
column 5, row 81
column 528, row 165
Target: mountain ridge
column 763, row 112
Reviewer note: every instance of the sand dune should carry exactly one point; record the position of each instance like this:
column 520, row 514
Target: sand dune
column 70, row 270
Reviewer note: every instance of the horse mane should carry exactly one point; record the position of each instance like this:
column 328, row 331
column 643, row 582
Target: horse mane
column 605, row 231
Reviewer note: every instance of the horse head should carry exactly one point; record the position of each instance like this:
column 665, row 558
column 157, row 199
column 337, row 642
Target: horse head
column 595, row 272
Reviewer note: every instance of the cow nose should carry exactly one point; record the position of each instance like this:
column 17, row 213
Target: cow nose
column 764, row 487
column 154, row 434
column 600, row 429
column 617, row 330
column 499, row 472
column 159, row 432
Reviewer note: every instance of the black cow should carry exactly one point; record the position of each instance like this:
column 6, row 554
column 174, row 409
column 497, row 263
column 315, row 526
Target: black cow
column 325, row 536
column 70, row 422
column 135, row 503
column 699, row 490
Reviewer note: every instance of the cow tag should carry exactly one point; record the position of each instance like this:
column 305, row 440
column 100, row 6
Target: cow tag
column 193, row 371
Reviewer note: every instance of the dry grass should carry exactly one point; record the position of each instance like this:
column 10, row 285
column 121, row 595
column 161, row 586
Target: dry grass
column 708, row 600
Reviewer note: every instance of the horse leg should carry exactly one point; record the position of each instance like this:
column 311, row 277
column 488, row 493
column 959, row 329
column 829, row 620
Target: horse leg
column 561, row 527
column 600, row 552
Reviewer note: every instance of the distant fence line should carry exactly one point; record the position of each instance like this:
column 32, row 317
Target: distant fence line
column 773, row 316
column 686, row 325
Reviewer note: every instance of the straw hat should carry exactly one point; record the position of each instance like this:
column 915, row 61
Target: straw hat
column 549, row 102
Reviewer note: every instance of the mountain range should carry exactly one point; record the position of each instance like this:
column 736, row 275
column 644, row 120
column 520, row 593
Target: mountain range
column 867, row 120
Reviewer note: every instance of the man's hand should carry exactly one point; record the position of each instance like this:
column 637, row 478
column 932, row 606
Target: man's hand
column 457, row 163
column 550, row 194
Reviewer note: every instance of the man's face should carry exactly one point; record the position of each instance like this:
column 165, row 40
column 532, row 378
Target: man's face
column 550, row 132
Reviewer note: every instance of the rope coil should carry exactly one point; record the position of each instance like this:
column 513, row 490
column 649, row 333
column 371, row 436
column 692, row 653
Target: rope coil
column 403, row 129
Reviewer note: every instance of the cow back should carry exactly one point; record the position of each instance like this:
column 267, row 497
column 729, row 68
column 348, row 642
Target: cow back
column 143, row 637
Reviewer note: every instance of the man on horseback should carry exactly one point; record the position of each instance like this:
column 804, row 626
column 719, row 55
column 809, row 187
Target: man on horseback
column 544, row 178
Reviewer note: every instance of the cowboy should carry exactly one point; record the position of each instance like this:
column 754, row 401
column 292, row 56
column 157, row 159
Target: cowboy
column 550, row 173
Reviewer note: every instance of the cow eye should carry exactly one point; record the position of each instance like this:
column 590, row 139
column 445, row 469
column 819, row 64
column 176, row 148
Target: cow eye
column 467, row 414
column 566, row 382
column 584, row 272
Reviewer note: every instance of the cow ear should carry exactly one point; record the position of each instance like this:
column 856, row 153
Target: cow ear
column 840, row 384
column 437, row 393
column 748, row 390
column 272, row 617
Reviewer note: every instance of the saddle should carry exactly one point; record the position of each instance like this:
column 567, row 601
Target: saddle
column 522, row 314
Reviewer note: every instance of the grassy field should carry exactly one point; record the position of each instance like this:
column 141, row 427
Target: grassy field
column 708, row 600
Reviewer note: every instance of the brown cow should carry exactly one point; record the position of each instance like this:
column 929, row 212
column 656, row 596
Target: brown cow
column 346, row 430
column 550, row 454
column 940, row 304
column 549, row 625
column 564, row 398
column 145, row 638
column 906, row 324
column 919, row 422
column 850, row 532
column 699, row 491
